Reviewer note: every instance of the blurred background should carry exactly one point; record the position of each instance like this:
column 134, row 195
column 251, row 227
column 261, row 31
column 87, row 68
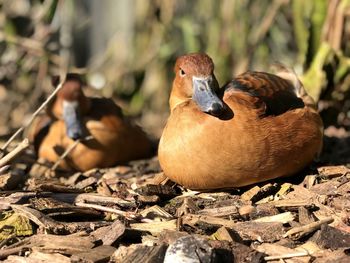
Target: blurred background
column 127, row 48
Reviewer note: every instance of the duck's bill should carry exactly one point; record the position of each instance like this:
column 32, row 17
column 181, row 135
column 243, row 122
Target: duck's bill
column 71, row 116
column 205, row 97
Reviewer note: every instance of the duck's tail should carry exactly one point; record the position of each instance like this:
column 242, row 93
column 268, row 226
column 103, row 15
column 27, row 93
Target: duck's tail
column 289, row 74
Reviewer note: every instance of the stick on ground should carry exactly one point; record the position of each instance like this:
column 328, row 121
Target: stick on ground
column 11, row 155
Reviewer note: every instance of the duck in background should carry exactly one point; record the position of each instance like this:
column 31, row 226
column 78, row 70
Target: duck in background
column 73, row 116
column 257, row 127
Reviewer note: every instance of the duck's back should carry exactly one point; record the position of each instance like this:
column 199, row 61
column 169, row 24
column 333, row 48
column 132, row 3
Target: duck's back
column 108, row 125
column 267, row 93
column 277, row 121
column 272, row 130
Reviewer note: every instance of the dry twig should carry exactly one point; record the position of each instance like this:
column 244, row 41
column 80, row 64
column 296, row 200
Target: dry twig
column 68, row 150
column 303, row 230
column 128, row 215
column 290, row 255
column 11, row 155
column 34, row 115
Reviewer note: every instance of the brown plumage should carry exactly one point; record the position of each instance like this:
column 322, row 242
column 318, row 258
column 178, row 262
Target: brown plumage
column 257, row 127
column 73, row 116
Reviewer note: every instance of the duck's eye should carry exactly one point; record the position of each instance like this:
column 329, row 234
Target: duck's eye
column 182, row 73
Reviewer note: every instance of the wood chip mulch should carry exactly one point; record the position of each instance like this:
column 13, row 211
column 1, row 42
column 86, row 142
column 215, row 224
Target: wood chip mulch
column 132, row 213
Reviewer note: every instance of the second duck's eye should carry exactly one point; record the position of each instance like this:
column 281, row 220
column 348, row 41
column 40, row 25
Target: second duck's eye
column 182, row 73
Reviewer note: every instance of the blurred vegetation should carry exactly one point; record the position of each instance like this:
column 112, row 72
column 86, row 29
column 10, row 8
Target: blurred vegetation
column 129, row 47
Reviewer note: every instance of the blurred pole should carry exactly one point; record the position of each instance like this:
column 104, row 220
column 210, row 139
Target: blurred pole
column 66, row 12
column 112, row 20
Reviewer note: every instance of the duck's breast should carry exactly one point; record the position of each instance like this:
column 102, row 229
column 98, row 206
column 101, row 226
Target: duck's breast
column 196, row 148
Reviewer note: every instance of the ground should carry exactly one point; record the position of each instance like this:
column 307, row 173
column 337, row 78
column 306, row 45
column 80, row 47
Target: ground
column 131, row 212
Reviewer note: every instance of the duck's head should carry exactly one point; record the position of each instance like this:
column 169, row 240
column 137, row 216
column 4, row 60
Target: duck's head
column 195, row 80
column 70, row 105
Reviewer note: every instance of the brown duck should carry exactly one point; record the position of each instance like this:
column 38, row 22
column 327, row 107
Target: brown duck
column 72, row 116
column 257, row 127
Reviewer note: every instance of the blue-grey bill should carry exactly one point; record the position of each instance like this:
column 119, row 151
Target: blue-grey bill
column 71, row 116
column 205, row 97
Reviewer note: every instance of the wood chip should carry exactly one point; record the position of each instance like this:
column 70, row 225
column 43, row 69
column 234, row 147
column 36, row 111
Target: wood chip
column 51, row 225
column 163, row 191
column 281, row 218
column 305, row 217
column 156, row 211
column 327, row 188
column 103, row 189
column 285, row 188
column 224, row 233
column 242, row 253
column 220, row 211
column 310, row 246
column 169, row 236
column 52, row 187
column 251, row 193
column 194, row 220
column 333, row 171
column 139, row 253
column 160, row 178
column 155, row 228
column 38, row 256
column 246, row 210
column 256, row 193
column 147, row 199
column 10, row 180
column 6, row 201
column 328, row 256
column 188, row 207
column 54, row 208
column 106, row 200
column 73, row 179
column 95, row 255
column 50, row 243
column 109, row 234
column 298, row 232
column 293, row 204
column 309, row 181
column 263, row 210
column 260, row 231
column 344, row 189
column 277, row 252
column 331, row 238
column 341, row 203
column 86, row 182
column 129, row 215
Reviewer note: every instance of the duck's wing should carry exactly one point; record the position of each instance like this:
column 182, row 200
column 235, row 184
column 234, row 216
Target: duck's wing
column 111, row 115
column 267, row 93
column 105, row 111
column 38, row 130
column 124, row 133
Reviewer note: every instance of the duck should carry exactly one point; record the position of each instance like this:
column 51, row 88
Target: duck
column 257, row 127
column 71, row 117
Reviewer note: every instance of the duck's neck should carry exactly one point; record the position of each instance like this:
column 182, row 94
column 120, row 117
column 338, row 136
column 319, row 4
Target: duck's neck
column 176, row 97
column 174, row 102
